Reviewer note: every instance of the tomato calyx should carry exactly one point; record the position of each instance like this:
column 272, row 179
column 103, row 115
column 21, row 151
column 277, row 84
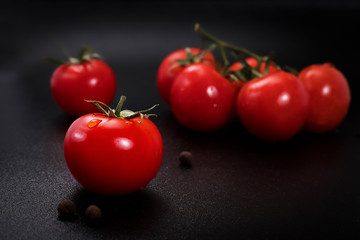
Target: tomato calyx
column 119, row 113
column 246, row 73
column 85, row 54
column 192, row 58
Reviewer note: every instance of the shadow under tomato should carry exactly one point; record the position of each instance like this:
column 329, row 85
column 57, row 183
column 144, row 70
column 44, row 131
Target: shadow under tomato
column 138, row 210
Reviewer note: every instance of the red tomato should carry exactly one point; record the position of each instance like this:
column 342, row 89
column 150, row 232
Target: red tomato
column 273, row 107
column 202, row 99
column 329, row 96
column 113, row 155
column 253, row 63
column 169, row 69
column 72, row 83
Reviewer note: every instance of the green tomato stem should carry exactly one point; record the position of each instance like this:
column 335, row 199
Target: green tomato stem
column 118, row 113
column 205, row 35
column 120, row 105
column 85, row 54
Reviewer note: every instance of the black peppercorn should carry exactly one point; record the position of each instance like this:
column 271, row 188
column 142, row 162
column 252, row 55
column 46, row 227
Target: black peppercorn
column 93, row 213
column 67, row 210
column 185, row 159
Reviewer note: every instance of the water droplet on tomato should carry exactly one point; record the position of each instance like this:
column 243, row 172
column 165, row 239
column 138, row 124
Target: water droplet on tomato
column 215, row 105
column 94, row 123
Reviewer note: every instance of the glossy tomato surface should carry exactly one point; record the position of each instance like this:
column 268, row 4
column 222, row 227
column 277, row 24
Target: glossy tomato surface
column 169, row 69
column 274, row 107
column 202, row 99
column 112, row 155
column 329, row 96
column 72, row 83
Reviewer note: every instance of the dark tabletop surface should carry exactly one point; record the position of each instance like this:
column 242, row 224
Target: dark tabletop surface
column 239, row 187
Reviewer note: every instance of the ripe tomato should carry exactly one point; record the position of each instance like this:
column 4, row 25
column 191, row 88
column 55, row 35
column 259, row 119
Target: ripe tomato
column 202, row 99
column 72, row 83
column 329, row 96
column 273, row 107
column 169, row 69
column 253, row 63
column 112, row 155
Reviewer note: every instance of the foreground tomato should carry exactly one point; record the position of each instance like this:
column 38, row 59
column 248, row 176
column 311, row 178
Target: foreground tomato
column 84, row 78
column 113, row 155
column 170, row 68
column 202, row 99
column 273, row 107
column 329, row 96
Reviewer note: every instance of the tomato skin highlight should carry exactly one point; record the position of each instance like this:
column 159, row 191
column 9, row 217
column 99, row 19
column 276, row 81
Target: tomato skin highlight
column 169, row 69
column 113, row 156
column 202, row 99
column 70, row 84
column 274, row 107
column 329, row 97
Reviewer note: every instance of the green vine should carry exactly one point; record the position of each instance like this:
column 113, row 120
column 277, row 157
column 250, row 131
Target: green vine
column 85, row 54
column 119, row 113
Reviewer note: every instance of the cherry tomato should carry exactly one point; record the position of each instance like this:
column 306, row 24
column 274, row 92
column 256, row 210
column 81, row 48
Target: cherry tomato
column 110, row 155
column 329, row 96
column 169, row 69
column 273, row 107
column 72, row 83
column 253, row 63
column 202, row 99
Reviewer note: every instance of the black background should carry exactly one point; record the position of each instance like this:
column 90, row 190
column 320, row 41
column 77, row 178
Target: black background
column 239, row 187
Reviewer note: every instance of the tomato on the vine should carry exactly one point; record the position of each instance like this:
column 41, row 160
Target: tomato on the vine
column 253, row 63
column 274, row 107
column 329, row 96
column 202, row 99
column 170, row 67
column 79, row 79
column 115, row 152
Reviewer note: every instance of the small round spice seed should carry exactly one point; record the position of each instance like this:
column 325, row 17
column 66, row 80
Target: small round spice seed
column 185, row 158
column 93, row 213
column 66, row 209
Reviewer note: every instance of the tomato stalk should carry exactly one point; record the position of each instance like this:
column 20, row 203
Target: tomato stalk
column 192, row 58
column 247, row 72
column 85, row 54
column 201, row 55
column 292, row 70
column 222, row 45
column 119, row 113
